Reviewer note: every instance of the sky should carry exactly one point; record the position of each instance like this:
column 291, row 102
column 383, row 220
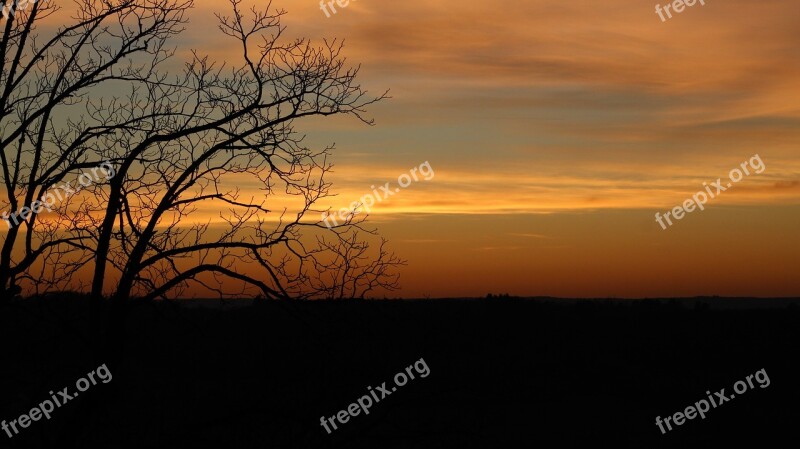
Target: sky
column 556, row 132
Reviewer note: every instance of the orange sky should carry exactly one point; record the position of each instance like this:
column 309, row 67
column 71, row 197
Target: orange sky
column 556, row 131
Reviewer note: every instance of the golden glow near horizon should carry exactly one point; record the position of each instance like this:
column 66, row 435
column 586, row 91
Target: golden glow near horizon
column 556, row 131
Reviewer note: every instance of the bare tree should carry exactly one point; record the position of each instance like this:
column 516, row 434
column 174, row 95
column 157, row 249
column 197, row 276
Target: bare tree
column 344, row 267
column 51, row 126
column 180, row 145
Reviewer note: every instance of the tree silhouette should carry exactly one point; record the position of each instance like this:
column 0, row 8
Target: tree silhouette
column 180, row 142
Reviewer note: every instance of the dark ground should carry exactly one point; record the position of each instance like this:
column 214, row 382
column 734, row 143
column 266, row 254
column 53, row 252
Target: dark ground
column 503, row 373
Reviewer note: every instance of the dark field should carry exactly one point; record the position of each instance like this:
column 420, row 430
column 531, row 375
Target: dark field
column 503, row 373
